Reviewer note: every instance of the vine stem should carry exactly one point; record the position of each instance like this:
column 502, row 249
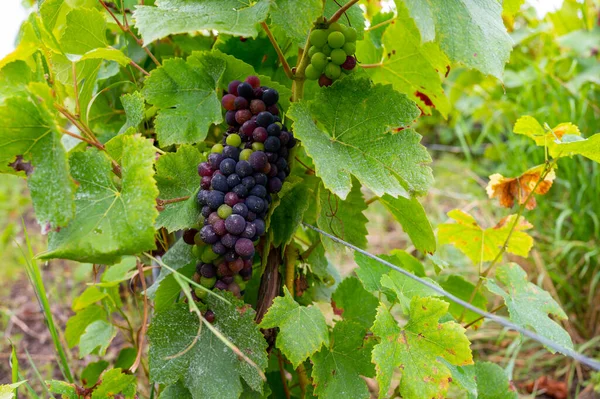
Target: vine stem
column 371, row 200
column 162, row 202
column 338, row 14
column 282, row 60
column 379, row 25
column 367, row 66
column 497, row 308
column 286, row 389
column 139, row 68
column 142, row 332
column 549, row 166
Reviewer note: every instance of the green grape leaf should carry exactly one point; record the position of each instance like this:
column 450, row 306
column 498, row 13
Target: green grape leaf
column 179, row 350
column 76, row 325
column 107, row 54
column 92, row 372
column 483, row 380
column 353, row 137
column 295, row 17
column 412, row 67
column 405, row 288
column 286, row 218
column 133, row 104
column 63, row 388
column 416, row 349
column 14, row 78
column 111, row 220
column 96, row 338
column 352, row 302
column 185, row 94
column 589, row 148
column 337, row 368
column 169, row 290
column 169, row 17
column 458, row 286
column 176, row 177
column 472, row 33
column 296, row 321
column 176, row 391
column 511, row 7
column 483, row 245
column 354, row 14
column 411, row 215
column 29, row 129
column 115, row 382
column 118, row 273
column 84, row 31
column 342, row 218
column 177, row 257
column 529, row 305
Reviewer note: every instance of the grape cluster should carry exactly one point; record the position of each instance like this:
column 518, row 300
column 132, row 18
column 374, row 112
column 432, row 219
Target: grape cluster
column 237, row 182
column 331, row 53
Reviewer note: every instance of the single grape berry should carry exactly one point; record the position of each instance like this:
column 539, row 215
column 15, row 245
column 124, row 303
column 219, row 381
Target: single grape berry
column 349, row 48
column 220, row 286
column 270, row 97
column 257, row 106
column 350, row 34
column 217, row 148
column 219, row 227
column 206, row 211
column 233, row 180
column 214, row 160
column 259, row 224
column 313, row 50
column 336, row 27
column 325, row 81
column 258, row 160
column 245, row 90
column 236, row 265
column 219, row 248
column 248, row 182
column 219, row 183
column 208, row 235
column 231, row 199
column 253, row 81
column 318, row 61
column 209, row 315
column 245, row 154
column 207, row 270
column 243, row 169
column 242, row 116
column 244, row 247
column 349, row 64
column 215, row 199
column 234, row 140
column 228, row 102
column 334, row 40
column 255, row 204
column 326, row 50
column 227, row 167
column 258, row 146
column 260, row 134
column 264, row 119
column 260, row 178
column 188, row 236
column 272, row 144
column 231, row 152
column 230, row 118
column 240, row 103
column 274, row 129
column 248, row 127
column 259, row 191
column 318, row 37
column 204, row 169
column 208, row 282
column 233, row 86
column 240, row 209
column 249, row 231
column 224, row 210
column 273, row 110
column 274, row 185
column 229, row 240
column 338, row 56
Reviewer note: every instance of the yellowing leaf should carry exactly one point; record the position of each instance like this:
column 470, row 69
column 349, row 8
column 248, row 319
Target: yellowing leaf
column 482, row 245
column 507, row 189
column 530, row 127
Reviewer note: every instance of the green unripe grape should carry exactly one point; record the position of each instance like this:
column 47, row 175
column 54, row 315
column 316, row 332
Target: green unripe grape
column 313, row 50
column 349, row 48
column 336, row 27
column 208, row 255
column 318, row 61
column 350, row 34
column 197, row 251
column 318, row 37
column 218, row 148
column 311, row 72
column 336, row 39
column 238, row 279
column 208, row 282
column 224, row 211
column 256, row 146
column 245, row 154
column 338, row 56
column 200, row 293
column 326, row 50
column 242, row 285
column 333, row 71
column 234, row 140
column 198, row 240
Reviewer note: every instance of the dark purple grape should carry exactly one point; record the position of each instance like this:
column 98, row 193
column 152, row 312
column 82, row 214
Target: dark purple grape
column 236, row 265
column 215, row 199
column 284, row 152
column 245, row 90
column 204, row 169
column 291, row 143
column 206, row 211
column 230, row 256
column 251, row 216
column 188, row 235
column 248, row 182
column 272, row 144
column 243, row 168
column 259, row 191
column 246, row 273
column 259, row 224
column 257, row 106
column 219, row 183
column 209, row 316
column 231, row 152
column 270, row 96
column 220, row 285
column 202, row 196
column 229, row 240
column 258, row 92
column 255, row 204
column 264, row 119
column 253, row 81
column 235, row 224
column 281, row 175
column 240, row 190
column 273, row 110
column 325, row 81
column 258, row 160
column 240, row 209
column 208, row 235
column 233, row 180
column 260, row 134
column 272, row 157
column 244, row 247
column 249, row 231
column 205, row 182
column 219, row 248
column 231, row 199
column 227, row 167
column 274, row 185
column 276, row 118
column 248, row 127
column 349, row 64
column 227, row 279
column 242, row 116
column 215, row 160
column 260, row 178
column 274, row 129
column 240, row 103
column 233, row 86
column 219, row 227
column 208, row 270
column 228, row 102
column 273, row 170
column 281, row 164
column 230, row 118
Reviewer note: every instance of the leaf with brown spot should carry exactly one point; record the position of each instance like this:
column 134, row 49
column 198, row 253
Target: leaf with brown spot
column 507, row 189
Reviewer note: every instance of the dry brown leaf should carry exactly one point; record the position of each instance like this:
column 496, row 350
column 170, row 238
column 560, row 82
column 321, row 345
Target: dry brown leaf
column 507, row 189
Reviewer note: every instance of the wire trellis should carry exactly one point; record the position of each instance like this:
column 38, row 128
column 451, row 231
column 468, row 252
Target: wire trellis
column 592, row 363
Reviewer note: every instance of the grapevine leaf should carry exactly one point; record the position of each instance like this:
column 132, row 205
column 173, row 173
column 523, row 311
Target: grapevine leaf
column 133, row 104
column 76, row 325
column 177, row 257
column 63, row 388
column 412, row 67
column 111, row 220
column 28, row 129
column 369, row 272
column 482, row 245
column 483, row 380
column 115, row 382
column 107, row 54
column 176, row 391
column 295, row 17
column 118, row 273
column 458, row 286
column 302, row 329
column 14, row 78
column 288, row 215
column 176, row 177
column 185, row 94
column 354, row 14
column 169, row 17
column 96, row 338
column 529, row 305
column 351, row 301
column 169, row 290
column 91, row 373
column 88, row 297
column 411, row 215
column 417, row 347
column 507, row 189
column 352, row 138
column 468, row 32
column 176, row 352
column 337, row 368
column 405, row 288
column 343, row 218
column 84, row 31
column 589, row 148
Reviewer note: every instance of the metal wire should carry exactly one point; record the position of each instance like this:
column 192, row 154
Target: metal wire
column 594, row 364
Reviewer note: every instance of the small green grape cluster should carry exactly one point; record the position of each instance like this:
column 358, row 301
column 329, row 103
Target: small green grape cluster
column 331, row 53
